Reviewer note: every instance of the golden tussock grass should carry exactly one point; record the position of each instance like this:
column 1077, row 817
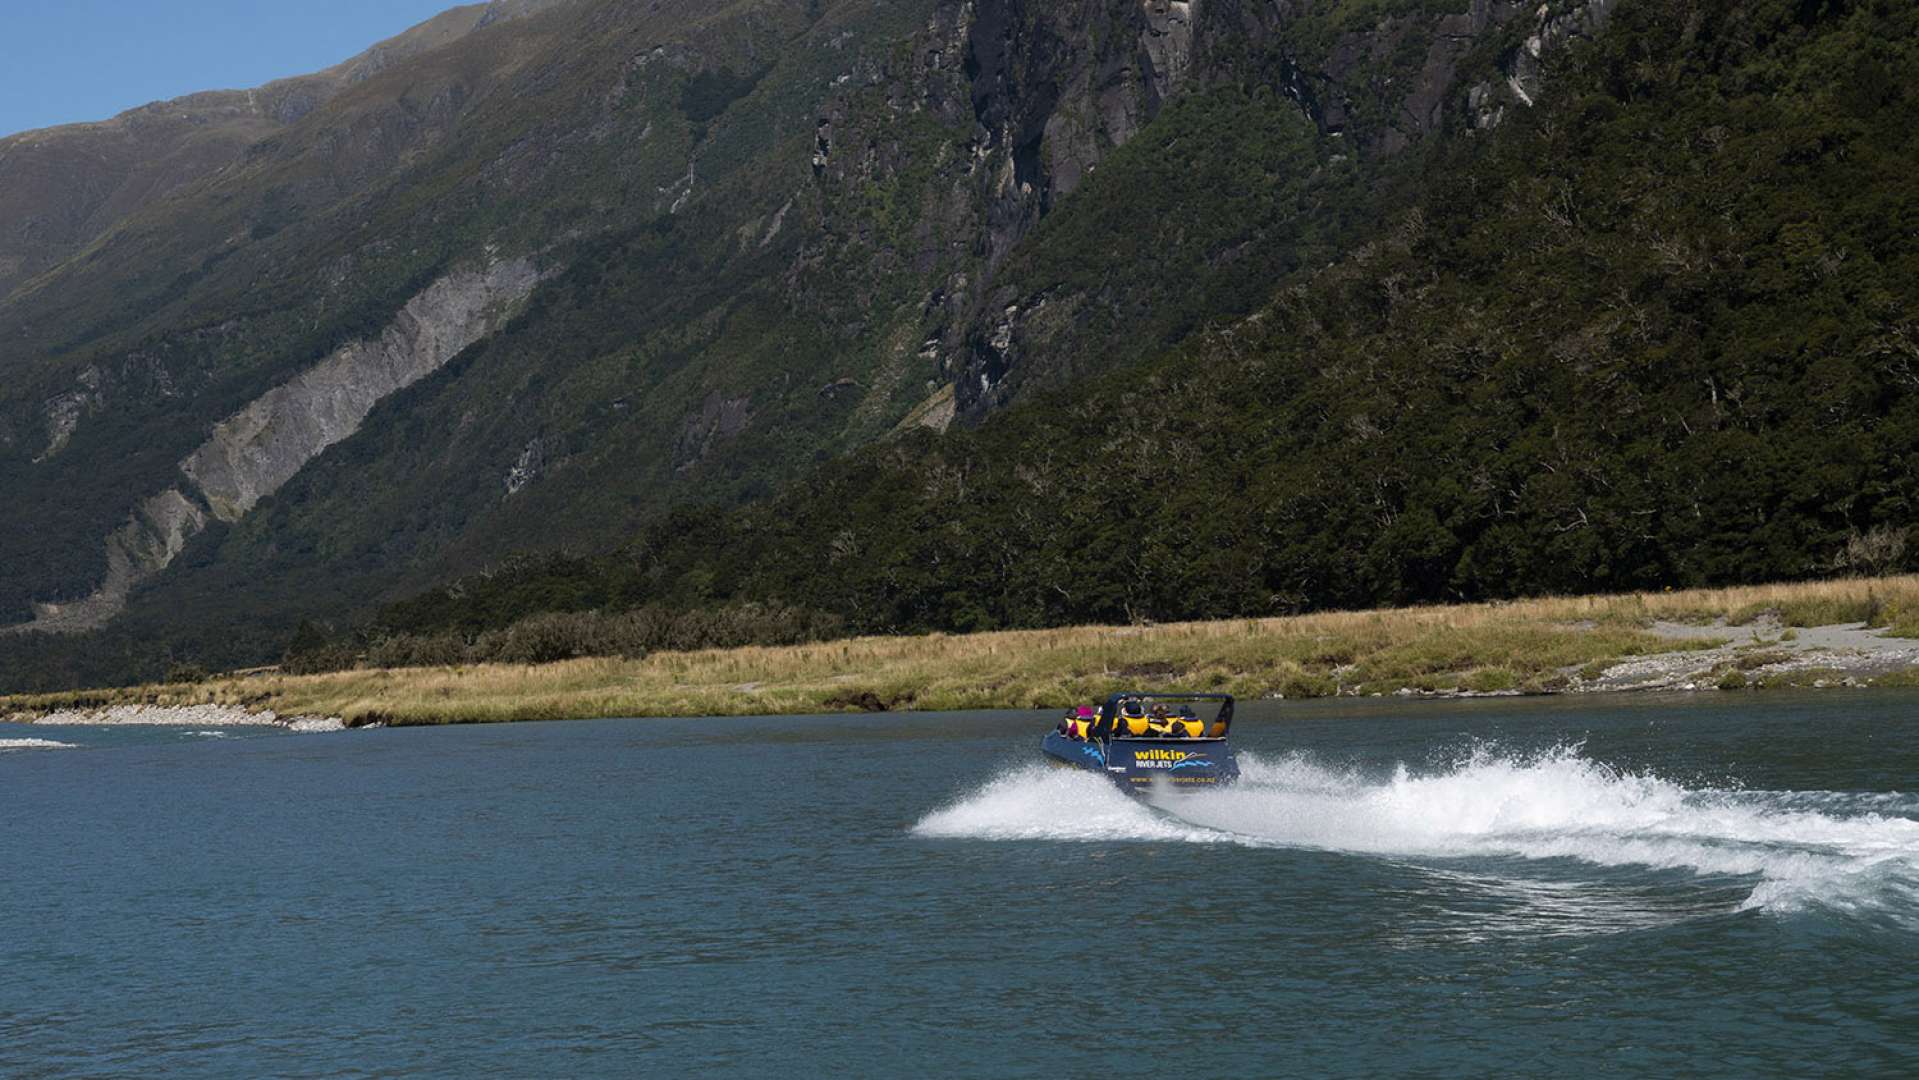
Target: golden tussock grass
column 1527, row 646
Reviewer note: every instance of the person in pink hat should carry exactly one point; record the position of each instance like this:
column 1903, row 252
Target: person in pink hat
column 1083, row 722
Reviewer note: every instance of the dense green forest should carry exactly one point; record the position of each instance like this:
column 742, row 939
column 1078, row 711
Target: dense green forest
column 1662, row 329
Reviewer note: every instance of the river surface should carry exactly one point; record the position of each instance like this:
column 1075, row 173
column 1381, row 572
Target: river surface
column 1724, row 884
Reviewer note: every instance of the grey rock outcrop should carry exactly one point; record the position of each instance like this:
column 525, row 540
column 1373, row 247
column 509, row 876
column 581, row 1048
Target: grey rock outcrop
column 64, row 411
column 528, row 468
column 1168, row 43
column 98, row 387
column 1524, row 68
column 719, row 419
column 254, row 452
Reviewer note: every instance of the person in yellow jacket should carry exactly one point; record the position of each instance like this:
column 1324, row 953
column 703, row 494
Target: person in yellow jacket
column 1078, row 723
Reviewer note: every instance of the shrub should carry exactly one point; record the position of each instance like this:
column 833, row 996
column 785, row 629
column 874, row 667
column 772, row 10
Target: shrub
column 333, row 656
column 420, row 650
column 187, row 673
column 542, row 639
column 1878, row 552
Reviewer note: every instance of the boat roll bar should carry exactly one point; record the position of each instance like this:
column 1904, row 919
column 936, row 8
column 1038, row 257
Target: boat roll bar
column 1107, row 722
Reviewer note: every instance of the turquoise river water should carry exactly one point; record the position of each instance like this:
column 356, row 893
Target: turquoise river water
column 1725, row 884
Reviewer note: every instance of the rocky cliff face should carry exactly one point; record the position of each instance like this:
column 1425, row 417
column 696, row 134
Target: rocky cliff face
column 1375, row 87
column 1523, row 67
column 255, row 452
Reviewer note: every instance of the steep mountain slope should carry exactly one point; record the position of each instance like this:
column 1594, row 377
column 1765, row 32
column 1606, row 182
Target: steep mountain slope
column 732, row 242
column 1658, row 329
column 519, row 142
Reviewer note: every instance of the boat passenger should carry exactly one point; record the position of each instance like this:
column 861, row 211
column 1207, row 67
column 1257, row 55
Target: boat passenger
column 1161, row 723
column 1077, row 723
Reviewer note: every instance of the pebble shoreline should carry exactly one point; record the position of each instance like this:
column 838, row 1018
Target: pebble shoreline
column 204, row 716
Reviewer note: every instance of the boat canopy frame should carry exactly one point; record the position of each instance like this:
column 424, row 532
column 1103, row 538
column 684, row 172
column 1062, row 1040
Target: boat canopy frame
column 1106, row 724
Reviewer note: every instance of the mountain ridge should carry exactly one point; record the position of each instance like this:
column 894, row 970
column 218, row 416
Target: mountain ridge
column 62, row 186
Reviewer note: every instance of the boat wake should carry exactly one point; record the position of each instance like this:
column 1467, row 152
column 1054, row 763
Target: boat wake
column 7, row 745
column 1497, row 810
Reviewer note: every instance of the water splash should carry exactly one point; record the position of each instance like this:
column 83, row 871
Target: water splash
column 33, row 744
column 1789, row 850
column 1038, row 802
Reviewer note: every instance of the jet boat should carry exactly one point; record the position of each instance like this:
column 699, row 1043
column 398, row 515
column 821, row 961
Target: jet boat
column 1140, row 740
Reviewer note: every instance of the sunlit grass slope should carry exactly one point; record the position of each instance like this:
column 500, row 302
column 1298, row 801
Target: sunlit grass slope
column 1530, row 646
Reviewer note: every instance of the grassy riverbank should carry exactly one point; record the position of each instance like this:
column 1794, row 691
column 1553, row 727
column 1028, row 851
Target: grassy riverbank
column 1536, row 646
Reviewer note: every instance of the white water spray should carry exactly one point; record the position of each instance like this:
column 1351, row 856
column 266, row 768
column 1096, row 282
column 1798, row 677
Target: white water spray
column 1836, row 849
column 33, row 744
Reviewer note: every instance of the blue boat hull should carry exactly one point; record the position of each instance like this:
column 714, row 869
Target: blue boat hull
column 1140, row 765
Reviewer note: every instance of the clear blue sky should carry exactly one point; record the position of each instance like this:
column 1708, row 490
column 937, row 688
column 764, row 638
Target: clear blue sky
column 67, row 60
